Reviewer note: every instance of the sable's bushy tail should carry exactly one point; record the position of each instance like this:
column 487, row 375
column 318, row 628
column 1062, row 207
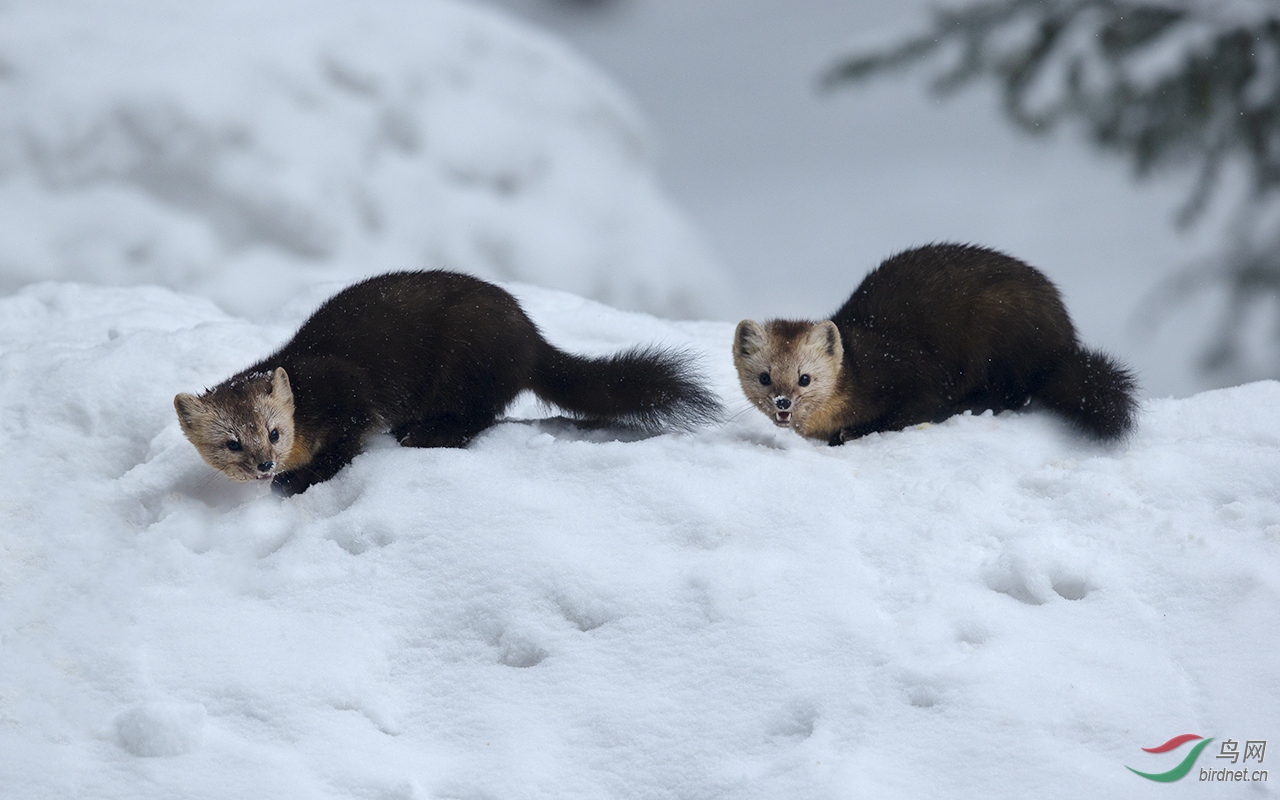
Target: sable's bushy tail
column 1094, row 392
column 650, row 388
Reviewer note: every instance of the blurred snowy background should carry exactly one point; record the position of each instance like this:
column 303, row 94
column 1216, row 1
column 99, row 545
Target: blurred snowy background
column 800, row 192
column 252, row 153
column 249, row 152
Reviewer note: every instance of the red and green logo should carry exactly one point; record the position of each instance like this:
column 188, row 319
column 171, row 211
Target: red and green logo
column 1184, row 767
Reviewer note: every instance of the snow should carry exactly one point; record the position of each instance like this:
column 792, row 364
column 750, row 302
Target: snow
column 989, row 605
column 161, row 729
column 985, row 607
column 212, row 147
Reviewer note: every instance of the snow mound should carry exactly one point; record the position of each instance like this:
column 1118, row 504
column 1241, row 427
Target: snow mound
column 161, row 729
column 245, row 151
column 985, row 607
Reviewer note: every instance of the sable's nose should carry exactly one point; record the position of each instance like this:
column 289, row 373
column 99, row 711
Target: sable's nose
column 266, row 466
column 782, row 403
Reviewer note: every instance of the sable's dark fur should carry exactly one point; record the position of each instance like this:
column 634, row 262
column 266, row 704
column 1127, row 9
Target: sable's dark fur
column 435, row 357
column 938, row 330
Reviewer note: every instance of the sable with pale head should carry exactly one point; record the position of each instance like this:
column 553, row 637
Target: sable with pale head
column 790, row 370
column 433, row 358
column 243, row 428
column 933, row 332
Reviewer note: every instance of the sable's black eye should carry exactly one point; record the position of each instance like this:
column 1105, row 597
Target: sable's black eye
column 274, row 436
column 233, row 446
column 764, row 379
column 804, row 380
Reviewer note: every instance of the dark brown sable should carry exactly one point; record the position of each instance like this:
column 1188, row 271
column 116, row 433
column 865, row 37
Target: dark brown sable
column 932, row 332
column 431, row 357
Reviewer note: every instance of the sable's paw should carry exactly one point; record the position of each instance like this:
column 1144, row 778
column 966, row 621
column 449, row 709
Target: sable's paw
column 851, row 432
column 442, row 431
column 287, row 484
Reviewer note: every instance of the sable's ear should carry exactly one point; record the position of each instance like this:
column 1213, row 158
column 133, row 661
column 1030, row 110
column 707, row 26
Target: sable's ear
column 280, row 384
column 188, row 407
column 748, row 339
column 825, row 339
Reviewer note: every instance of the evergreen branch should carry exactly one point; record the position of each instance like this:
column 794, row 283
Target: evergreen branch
column 1166, row 87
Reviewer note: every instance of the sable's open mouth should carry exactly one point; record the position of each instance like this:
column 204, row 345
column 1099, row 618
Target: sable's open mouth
column 783, row 419
column 263, row 477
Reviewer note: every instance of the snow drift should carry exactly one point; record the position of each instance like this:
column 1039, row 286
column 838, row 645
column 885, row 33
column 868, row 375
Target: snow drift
column 989, row 606
column 246, row 151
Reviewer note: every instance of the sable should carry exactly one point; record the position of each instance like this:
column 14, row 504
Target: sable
column 932, row 332
column 431, row 357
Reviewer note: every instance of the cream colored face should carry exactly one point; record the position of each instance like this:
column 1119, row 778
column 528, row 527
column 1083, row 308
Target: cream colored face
column 788, row 370
column 244, row 430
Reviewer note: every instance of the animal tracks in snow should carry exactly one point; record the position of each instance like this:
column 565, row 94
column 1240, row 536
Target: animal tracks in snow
column 358, row 536
column 796, row 722
column 160, row 729
column 1019, row 577
column 585, row 615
